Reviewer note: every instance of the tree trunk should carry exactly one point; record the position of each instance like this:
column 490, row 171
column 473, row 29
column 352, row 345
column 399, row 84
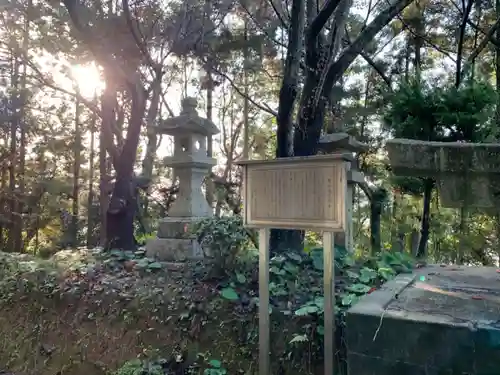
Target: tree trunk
column 497, row 69
column 103, row 187
column 152, row 144
column 397, row 235
column 209, row 186
column 246, row 124
column 376, row 205
column 76, row 176
column 90, row 198
column 123, row 203
column 21, row 121
column 282, row 240
column 14, row 124
column 422, row 246
column 120, row 217
column 414, row 241
column 323, row 71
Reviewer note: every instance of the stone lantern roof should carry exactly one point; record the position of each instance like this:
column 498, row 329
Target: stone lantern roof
column 330, row 143
column 188, row 122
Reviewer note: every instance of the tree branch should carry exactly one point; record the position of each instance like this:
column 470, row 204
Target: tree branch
column 463, row 26
column 370, row 62
column 262, row 107
column 338, row 68
column 322, row 18
column 480, row 48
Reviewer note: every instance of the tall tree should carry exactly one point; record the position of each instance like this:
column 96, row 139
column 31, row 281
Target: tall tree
column 316, row 32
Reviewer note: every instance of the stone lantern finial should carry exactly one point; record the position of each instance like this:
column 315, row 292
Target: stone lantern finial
column 189, row 105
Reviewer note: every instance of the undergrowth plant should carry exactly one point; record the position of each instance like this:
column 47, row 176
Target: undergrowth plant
column 224, row 240
column 296, row 288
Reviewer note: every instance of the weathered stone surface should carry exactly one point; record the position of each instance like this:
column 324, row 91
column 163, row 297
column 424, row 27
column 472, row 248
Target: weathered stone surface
column 188, row 122
column 335, row 142
column 468, row 174
column 439, row 320
column 479, row 190
column 418, row 158
column 174, row 227
column 174, row 249
column 191, row 165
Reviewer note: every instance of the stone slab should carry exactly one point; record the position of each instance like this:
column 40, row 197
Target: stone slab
column 174, row 249
column 175, row 227
column 478, row 191
column 417, row 158
column 438, row 320
column 468, row 174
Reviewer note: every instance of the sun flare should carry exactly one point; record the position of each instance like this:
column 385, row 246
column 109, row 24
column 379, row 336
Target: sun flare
column 88, row 79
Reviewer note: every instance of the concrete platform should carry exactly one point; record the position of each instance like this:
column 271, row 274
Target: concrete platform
column 438, row 320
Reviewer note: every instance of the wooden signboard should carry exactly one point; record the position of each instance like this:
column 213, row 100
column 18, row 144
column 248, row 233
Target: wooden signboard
column 296, row 193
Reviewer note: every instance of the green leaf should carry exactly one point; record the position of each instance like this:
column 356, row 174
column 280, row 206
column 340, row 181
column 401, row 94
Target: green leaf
column 320, row 302
column 349, row 261
column 277, row 271
column 229, row 294
column 321, row 330
column 129, row 254
column 306, row 310
column 317, row 258
column 290, row 267
column 155, row 266
column 241, row 278
column 358, row 288
column 349, row 299
column 386, row 273
column 352, row 275
column 142, row 263
column 299, row 338
column 116, row 253
column 367, row 274
column 215, row 363
column 294, row 256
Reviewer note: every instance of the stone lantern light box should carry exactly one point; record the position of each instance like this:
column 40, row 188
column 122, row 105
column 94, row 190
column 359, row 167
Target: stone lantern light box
column 190, row 133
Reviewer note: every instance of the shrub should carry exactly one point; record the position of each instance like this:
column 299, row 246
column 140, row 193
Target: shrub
column 223, row 240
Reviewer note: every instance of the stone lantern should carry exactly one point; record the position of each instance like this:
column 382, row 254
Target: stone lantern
column 191, row 165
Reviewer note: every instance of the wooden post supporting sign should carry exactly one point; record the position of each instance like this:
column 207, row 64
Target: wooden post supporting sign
column 306, row 193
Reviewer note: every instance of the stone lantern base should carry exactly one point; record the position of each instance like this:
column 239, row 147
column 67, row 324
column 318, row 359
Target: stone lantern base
column 173, row 244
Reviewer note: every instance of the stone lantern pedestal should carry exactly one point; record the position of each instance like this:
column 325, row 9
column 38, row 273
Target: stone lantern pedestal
column 191, row 165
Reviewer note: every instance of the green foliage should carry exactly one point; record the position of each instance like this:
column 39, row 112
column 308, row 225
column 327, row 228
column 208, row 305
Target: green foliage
column 224, row 240
column 215, row 368
column 133, row 259
column 138, row 367
column 360, row 276
column 433, row 113
column 162, row 366
column 298, row 277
